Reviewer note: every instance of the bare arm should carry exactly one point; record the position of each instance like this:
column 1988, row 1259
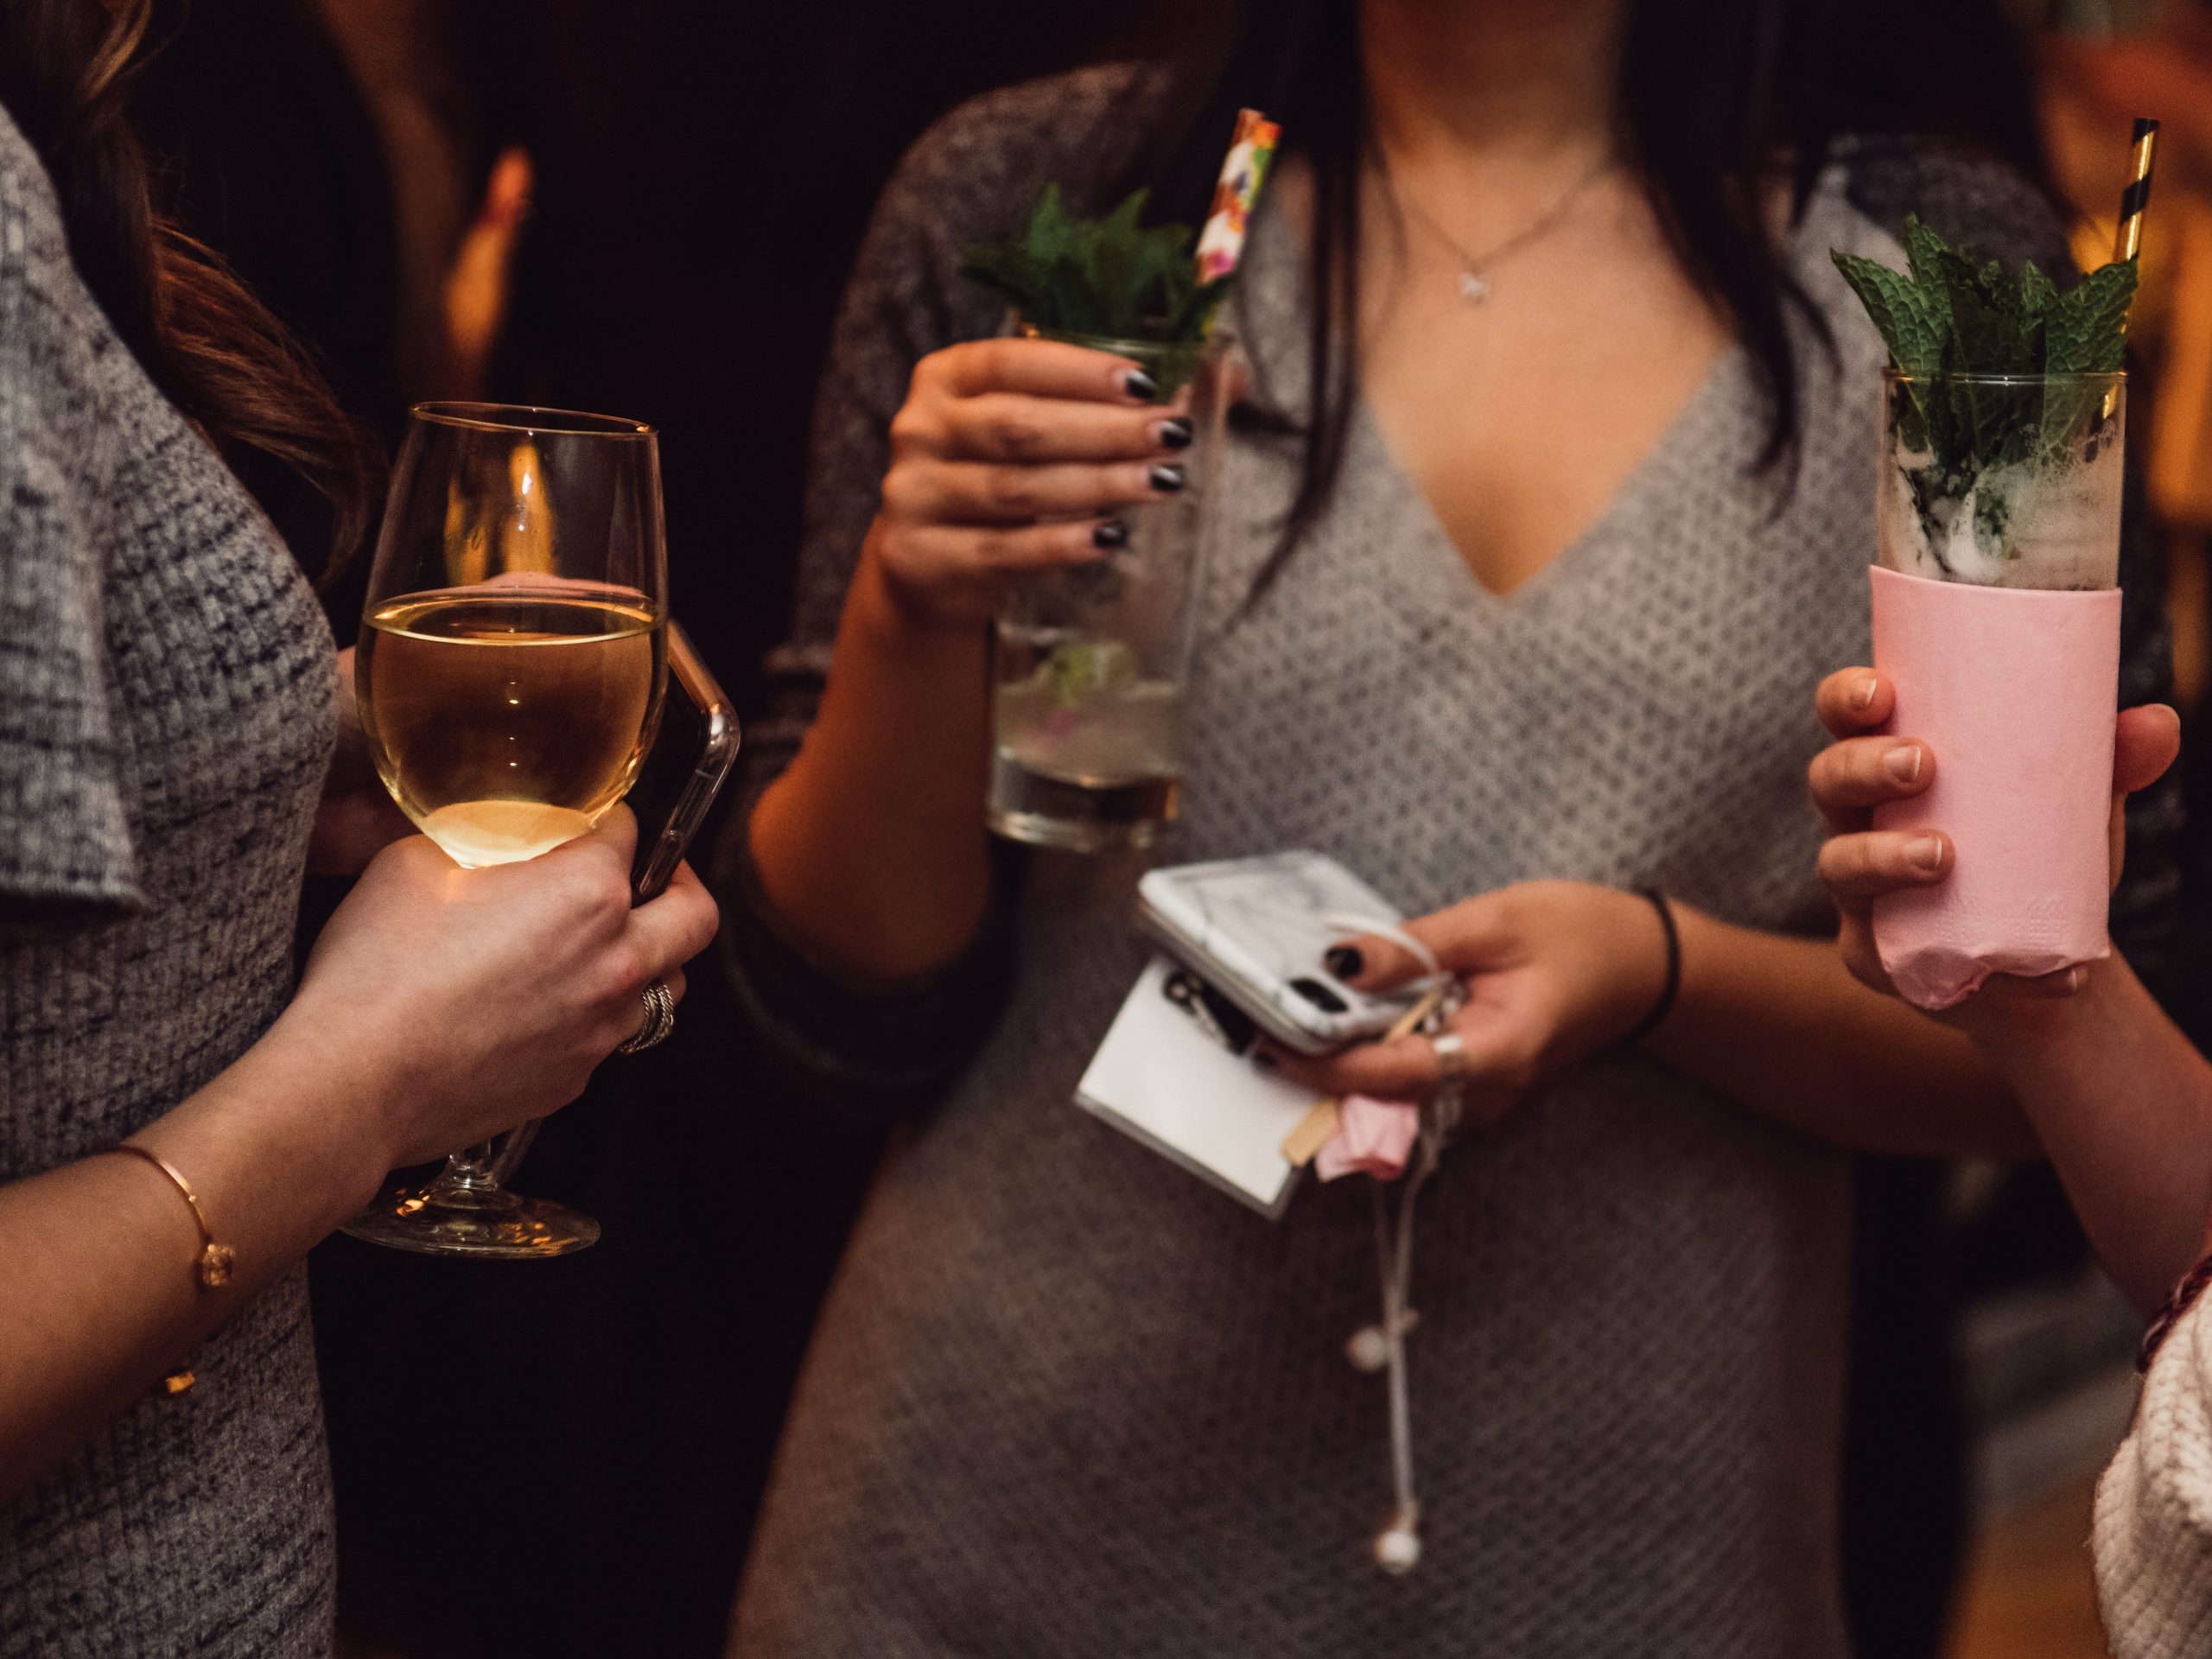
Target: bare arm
column 440, row 1007
column 2123, row 1102
column 1558, row 971
column 1780, row 1026
column 1005, row 460
column 2117, row 1095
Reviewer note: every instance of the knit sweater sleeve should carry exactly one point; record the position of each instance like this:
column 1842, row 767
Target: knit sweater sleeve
column 1994, row 211
column 2153, row 1535
column 864, row 1050
column 65, row 838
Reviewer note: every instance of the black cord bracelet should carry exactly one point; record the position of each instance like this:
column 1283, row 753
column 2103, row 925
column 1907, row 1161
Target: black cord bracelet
column 1672, row 988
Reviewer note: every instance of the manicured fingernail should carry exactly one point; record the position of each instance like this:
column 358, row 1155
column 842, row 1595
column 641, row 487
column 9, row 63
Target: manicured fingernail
column 1343, row 960
column 1167, row 478
column 1111, row 534
column 1863, row 697
column 1903, row 763
column 1139, row 385
column 1174, row 435
column 1925, row 853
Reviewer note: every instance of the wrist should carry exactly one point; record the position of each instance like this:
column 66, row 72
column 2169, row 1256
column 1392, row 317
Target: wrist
column 1658, row 989
column 885, row 614
column 314, row 1083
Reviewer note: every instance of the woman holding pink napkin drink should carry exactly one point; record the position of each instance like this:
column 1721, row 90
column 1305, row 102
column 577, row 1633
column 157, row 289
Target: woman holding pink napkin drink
column 1557, row 441
column 2123, row 1104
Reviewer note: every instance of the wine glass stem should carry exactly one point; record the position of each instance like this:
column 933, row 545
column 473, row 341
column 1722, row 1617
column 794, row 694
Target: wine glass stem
column 479, row 1173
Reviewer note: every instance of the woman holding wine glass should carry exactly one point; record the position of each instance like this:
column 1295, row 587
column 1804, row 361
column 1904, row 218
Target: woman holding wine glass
column 178, row 1122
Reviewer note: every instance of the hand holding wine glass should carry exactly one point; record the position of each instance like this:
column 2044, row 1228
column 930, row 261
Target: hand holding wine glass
column 510, row 675
column 475, row 999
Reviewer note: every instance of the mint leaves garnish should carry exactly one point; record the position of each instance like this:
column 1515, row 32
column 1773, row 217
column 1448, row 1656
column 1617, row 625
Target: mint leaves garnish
column 1104, row 277
column 1949, row 316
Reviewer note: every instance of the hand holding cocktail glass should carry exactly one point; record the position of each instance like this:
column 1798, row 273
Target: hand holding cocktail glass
column 1866, row 769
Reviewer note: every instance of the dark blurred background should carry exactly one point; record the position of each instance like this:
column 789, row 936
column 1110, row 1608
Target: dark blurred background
column 647, row 209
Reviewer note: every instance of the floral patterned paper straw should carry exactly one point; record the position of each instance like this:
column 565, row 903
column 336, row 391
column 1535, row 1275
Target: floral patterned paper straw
column 1221, row 244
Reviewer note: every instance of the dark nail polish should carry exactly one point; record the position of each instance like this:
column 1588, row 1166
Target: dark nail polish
column 1167, row 478
column 1176, row 434
column 1111, row 534
column 1344, row 961
column 1264, row 1061
column 1140, row 384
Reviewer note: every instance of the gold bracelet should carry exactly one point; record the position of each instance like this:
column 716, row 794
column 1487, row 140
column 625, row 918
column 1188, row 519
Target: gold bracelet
column 216, row 1261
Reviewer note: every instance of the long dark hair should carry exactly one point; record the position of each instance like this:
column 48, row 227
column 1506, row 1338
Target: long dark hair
column 1716, row 96
column 213, row 350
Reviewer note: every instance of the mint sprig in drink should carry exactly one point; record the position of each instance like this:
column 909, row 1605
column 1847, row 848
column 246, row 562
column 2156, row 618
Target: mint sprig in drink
column 1088, row 665
column 2003, row 416
column 1997, row 528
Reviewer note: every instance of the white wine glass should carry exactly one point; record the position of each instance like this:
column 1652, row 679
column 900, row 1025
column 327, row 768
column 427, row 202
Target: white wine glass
column 510, row 674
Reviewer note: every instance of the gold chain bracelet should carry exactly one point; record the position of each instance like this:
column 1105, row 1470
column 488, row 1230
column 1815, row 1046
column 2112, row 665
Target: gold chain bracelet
column 214, row 1267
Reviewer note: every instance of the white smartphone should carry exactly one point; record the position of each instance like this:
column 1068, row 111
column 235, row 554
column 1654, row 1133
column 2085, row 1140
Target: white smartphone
column 1254, row 930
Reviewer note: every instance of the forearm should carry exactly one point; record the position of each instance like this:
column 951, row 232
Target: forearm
column 2123, row 1104
column 1779, row 1025
column 101, row 1299
column 871, row 845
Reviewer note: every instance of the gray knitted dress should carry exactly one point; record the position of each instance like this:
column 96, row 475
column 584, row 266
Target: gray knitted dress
column 167, row 709
column 1066, row 1401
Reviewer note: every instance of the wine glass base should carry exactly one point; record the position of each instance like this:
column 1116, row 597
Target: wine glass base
column 462, row 1221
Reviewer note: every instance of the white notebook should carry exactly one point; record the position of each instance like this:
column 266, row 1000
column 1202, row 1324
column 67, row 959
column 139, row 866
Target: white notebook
column 1162, row 1076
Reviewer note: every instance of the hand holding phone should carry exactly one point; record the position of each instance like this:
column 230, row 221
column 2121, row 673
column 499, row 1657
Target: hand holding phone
column 1254, row 930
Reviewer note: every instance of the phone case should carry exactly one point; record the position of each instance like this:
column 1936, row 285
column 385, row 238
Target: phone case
column 1255, row 929
column 691, row 758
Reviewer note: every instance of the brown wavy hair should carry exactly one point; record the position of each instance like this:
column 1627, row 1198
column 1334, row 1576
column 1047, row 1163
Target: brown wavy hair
column 210, row 345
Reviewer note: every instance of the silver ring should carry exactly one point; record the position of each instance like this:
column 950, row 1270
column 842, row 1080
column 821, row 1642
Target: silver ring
column 660, row 1019
column 1452, row 1063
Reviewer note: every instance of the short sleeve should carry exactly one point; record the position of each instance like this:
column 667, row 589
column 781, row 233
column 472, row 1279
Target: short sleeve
column 65, row 834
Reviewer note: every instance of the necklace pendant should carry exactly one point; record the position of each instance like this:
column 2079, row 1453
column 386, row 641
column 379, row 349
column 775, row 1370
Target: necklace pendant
column 1474, row 289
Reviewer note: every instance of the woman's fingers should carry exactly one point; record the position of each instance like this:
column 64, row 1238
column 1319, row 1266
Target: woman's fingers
column 1854, row 700
column 982, row 493
column 1863, row 772
column 1041, row 368
column 1408, row 1069
column 1866, row 866
column 2145, row 744
column 676, row 925
column 983, row 553
column 1008, row 427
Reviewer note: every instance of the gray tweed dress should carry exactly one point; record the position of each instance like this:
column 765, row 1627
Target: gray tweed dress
column 167, row 709
column 1067, row 1400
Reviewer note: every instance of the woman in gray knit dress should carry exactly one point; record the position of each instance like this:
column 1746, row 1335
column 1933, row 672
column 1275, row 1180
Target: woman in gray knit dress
column 169, row 702
column 1064, row 1399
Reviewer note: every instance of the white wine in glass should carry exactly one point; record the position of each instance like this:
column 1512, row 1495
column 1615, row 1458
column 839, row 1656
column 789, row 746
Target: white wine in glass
column 507, row 720
column 512, row 661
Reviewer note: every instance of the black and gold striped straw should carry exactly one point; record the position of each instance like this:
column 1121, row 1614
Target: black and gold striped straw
column 2133, row 199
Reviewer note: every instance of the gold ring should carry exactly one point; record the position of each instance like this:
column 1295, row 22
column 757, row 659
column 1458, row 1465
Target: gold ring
column 660, row 1019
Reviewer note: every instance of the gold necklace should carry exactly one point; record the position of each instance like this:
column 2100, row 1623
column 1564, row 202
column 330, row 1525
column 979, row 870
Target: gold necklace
column 1474, row 269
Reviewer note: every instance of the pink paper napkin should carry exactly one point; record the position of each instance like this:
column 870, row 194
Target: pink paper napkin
column 1373, row 1137
column 2015, row 690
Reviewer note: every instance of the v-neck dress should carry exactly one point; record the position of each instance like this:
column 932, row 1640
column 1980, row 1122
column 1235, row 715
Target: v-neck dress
column 1065, row 1398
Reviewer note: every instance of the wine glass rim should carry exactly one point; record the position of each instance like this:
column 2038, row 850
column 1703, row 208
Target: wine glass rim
column 532, row 418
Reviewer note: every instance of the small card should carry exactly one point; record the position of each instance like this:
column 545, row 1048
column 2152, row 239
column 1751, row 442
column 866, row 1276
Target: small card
column 1167, row 1075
